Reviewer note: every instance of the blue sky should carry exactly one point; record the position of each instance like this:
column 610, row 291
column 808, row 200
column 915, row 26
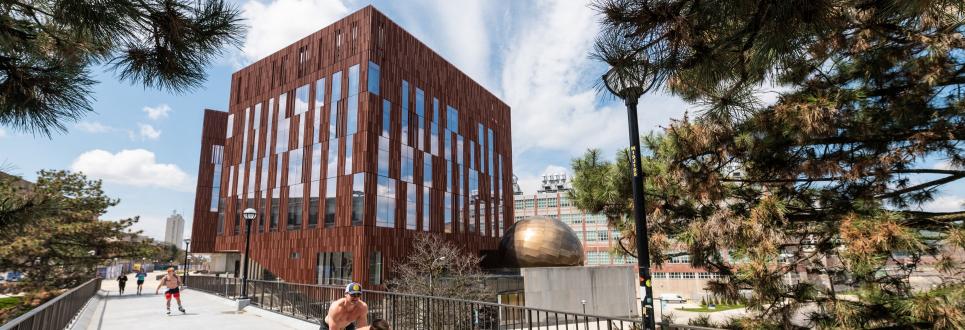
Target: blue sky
column 532, row 54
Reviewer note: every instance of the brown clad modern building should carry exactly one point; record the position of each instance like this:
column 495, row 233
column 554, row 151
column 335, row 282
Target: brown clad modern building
column 348, row 143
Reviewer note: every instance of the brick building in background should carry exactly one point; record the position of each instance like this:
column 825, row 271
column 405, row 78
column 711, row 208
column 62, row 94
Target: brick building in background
column 348, row 143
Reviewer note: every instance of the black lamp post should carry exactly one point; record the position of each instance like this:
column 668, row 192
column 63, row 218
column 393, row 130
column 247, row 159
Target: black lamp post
column 187, row 249
column 249, row 215
column 628, row 81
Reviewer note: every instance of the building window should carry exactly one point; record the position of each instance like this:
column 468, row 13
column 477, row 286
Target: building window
column 273, row 217
column 447, row 213
column 375, row 268
column 313, row 205
column 386, row 118
column 408, row 163
column 427, row 170
column 420, row 106
column 411, row 206
column 334, row 268
column 373, row 78
column 383, row 165
column 333, row 105
column 295, row 193
column 301, row 99
column 358, row 199
column 295, row 167
column 385, row 202
column 348, row 154
column 426, row 197
column 332, row 165
column 330, row 202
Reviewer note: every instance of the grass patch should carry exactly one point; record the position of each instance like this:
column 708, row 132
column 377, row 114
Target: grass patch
column 707, row 310
column 9, row 302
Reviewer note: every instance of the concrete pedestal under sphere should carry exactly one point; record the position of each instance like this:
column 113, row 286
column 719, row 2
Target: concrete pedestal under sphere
column 541, row 242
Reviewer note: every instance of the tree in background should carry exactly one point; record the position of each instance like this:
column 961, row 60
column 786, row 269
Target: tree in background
column 50, row 230
column 828, row 179
column 439, row 268
column 47, row 49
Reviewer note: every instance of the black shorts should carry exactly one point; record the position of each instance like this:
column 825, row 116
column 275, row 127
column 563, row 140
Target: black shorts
column 122, row 284
column 350, row 326
column 140, row 282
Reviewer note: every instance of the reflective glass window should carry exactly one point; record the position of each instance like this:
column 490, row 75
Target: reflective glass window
column 427, row 170
column 386, row 118
column 301, row 99
column 411, row 206
column 383, row 165
column 313, row 204
column 333, row 105
column 358, row 199
column 447, row 213
column 330, row 202
column 294, row 167
column 332, row 167
column 348, row 154
column 352, row 114
column 452, row 119
column 385, row 203
column 408, row 164
column 353, row 80
column 373, row 78
column 295, row 193
column 316, row 162
column 426, row 197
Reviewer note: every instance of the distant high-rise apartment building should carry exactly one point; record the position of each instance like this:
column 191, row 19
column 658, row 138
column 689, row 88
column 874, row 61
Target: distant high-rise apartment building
column 551, row 200
column 174, row 229
column 348, row 143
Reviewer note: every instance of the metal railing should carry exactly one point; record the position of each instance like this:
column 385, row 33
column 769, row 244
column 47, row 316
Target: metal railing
column 57, row 313
column 408, row 311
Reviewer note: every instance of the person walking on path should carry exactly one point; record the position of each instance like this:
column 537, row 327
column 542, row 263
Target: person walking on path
column 121, row 282
column 173, row 283
column 347, row 313
column 141, row 274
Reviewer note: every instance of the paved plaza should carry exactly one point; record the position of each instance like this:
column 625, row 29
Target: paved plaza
column 146, row 311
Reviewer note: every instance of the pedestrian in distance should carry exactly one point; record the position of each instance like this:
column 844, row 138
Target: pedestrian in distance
column 173, row 283
column 121, row 282
column 141, row 274
column 348, row 312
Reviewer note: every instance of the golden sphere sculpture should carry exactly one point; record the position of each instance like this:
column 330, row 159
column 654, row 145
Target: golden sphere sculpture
column 541, row 242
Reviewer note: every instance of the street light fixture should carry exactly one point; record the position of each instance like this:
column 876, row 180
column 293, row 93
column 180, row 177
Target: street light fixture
column 187, row 249
column 249, row 215
column 583, row 301
column 629, row 77
column 432, row 268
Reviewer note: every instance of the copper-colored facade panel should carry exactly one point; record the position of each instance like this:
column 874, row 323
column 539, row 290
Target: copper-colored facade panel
column 289, row 250
column 541, row 242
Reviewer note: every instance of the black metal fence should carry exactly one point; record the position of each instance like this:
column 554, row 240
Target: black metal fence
column 58, row 312
column 407, row 311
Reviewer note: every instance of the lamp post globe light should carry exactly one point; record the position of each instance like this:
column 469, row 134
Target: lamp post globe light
column 249, row 214
column 187, row 250
column 630, row 77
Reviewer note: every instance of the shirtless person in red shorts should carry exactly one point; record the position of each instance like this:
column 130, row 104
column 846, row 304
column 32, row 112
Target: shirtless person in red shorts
column 173, row 283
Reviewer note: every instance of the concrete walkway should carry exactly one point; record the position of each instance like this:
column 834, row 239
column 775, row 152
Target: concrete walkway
column 146, row 311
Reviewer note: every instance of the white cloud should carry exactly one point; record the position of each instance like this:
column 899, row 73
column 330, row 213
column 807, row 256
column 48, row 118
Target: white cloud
column 158, row 112
column 136, row 167
column 281, row 23
column 946, row 203
column 548, row 80
column 93, row 127
column 148, row 132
